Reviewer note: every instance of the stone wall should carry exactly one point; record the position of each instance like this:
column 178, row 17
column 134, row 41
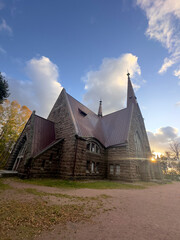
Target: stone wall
column 64, row 128
column 83, row 156
column 141, row 166
column 119, row 167
column 47, row 164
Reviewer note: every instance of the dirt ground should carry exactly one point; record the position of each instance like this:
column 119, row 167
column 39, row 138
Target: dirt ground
column 146, row 214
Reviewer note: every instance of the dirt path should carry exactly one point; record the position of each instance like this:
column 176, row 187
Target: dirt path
column 150, row 214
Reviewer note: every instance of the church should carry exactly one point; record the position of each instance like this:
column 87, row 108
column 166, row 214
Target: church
column 76, row 143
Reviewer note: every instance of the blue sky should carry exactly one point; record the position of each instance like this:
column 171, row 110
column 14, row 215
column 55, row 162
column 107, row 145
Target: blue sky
column 87, row 46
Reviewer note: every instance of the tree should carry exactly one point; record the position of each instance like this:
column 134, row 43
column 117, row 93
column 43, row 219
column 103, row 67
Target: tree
column 13, row 118
column 175, row 149
column 4, row 88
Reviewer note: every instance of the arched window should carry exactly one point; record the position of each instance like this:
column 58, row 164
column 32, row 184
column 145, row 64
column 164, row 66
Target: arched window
column 93, row 147
column 138, row 145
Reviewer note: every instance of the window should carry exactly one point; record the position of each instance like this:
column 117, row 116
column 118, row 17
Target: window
column 97, row 167
column 138, row 145
column 88, row 146
column 82, row 113
column 43, row 163
column 97, row 149
column 117, row 169
column 111, row 169
column 87, row 166
column 92, row 167
column 93, row 147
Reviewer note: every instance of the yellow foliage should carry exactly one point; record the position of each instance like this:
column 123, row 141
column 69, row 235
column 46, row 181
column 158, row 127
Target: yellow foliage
column 13, row 118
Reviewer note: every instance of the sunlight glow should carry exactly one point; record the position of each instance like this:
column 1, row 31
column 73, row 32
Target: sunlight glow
column 153, row 159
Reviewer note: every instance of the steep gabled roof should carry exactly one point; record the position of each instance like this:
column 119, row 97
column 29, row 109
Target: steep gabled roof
column 44, row 134
column 116, row 126
column 88, row 123
column 111, row 129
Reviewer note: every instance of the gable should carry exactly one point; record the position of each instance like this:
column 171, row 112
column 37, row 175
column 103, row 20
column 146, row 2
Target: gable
column 137, row 136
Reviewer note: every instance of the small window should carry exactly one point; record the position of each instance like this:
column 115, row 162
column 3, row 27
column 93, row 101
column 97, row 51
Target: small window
column 82, row 113
column 43, row 163
column 88, row 146
column 111, row 169
column 92, row 167
column 87, row 166
column 92, row 147
column 97, row 149
column 117, row 169
column 97, row 167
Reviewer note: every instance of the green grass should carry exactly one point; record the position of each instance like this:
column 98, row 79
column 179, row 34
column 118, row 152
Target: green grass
column 3, row 186
column 82, row 184
column 60, row 195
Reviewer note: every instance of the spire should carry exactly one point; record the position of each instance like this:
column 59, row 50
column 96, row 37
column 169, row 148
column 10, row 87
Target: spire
column 100, row 109
column 131, row 98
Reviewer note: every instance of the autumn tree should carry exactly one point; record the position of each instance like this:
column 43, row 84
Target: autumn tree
column 13, row 118
column 4, row 88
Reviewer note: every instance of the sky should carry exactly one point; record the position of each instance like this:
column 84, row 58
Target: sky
column 87, row 47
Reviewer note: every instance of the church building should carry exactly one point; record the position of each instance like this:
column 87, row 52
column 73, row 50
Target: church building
column 76, row 143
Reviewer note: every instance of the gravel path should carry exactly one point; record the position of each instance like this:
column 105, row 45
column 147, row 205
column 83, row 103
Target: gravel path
column 149, row 214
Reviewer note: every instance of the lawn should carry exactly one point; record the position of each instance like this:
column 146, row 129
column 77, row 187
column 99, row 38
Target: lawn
column 83, row 184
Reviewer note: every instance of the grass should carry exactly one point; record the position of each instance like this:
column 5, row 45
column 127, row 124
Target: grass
column 21, row 220
column 82, row 184
column 60, row 195
column 3, row 186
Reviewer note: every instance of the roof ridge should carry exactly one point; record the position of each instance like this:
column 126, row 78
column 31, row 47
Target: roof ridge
column 81, row 104
column 123, row 109
column 71, row 112
column 43, row 118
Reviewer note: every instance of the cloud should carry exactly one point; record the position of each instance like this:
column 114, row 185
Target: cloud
column 42, row 88
column 177, row 73
column 5, row 27
column 161, row 139
column 109, row 83
column 178, row 104
column 163, row 25
column 2, row 50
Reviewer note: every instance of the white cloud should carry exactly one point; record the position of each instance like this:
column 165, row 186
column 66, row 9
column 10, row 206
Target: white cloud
column 177, row 73
column 41, row 90
column 161, row 139
column 2, row 50
column 178, row 104
column 163, row 25
column 5, row 27
column 109, row 83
